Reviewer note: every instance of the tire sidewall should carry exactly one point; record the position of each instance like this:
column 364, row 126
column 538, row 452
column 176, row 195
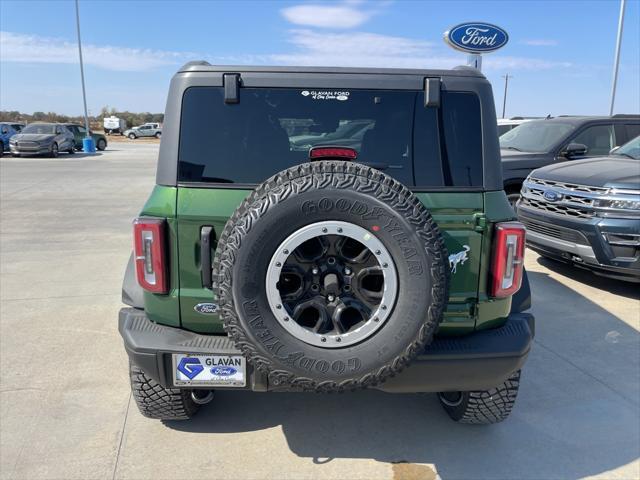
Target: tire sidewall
column 415, row 314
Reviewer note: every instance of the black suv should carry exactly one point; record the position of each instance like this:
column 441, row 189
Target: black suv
column 543, row 142
column 587, row 212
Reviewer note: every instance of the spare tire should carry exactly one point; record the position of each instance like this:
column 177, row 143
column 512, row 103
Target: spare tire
column 331, row 276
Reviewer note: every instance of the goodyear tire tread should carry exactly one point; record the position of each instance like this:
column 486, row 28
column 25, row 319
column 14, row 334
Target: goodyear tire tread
column 155, row 401
column 485, row 407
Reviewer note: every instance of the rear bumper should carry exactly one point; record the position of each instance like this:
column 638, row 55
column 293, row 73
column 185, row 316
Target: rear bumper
column 477, row 361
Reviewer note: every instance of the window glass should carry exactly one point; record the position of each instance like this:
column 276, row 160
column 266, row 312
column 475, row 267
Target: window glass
column 633, row 130
column 39, row 128
column 270, row 130
column 273, row 129
column 462, row 157
column 599, row 139
column 535, row 136
column 502, row 129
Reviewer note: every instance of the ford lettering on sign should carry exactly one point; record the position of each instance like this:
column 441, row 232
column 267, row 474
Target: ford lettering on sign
column 476, row 37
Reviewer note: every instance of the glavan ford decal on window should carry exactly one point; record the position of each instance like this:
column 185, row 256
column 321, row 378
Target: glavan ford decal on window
column 476, row 37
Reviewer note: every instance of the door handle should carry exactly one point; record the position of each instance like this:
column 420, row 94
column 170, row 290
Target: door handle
column 206, row 234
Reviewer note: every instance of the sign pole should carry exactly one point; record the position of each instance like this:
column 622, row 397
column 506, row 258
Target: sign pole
column 88, row 141
column 616, row 60
column 504, row 99
column 475, row 60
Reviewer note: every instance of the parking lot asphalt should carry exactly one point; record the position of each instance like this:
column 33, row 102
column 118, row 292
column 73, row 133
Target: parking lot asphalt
column 66, row 410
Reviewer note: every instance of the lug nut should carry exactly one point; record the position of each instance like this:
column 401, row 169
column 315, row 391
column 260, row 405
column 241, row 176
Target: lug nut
column 339, row 230
column 278, row 306
column 323, row 339
column 315, row 270
column 347, row 271
column 315, row 287
column 285, row 251
column 286, row 319
column 278, row 264
column 324, row 230
column 385, row 265
column 331, row 260
column 338, row 339
column 378, row 252
column 384, row 307
column 331, row 298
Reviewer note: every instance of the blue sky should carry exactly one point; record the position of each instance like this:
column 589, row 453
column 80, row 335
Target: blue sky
column 560, row 52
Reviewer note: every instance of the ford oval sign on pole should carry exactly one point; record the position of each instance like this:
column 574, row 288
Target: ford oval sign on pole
column 476, row 38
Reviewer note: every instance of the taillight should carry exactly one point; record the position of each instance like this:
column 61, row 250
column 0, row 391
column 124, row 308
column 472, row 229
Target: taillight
column 508, row 259
column 149, row 246
column 316, row 153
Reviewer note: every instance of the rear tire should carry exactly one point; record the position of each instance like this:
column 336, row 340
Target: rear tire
column 158, row 134
column 54, row 150
column 155, row 401
column 72, row 149
column 482, row 407
column 102, row 144
column 132, row 136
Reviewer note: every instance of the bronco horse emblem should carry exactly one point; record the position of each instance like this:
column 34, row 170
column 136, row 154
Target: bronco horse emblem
column 459, row 258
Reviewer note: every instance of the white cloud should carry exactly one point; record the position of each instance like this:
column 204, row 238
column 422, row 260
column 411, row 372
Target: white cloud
column 540, row 42
column 362, row 49
column 310, row 47
column 17, row 47
column 357, row 43
column 347, row 15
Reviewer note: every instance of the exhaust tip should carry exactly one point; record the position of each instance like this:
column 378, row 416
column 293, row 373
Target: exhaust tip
column 201, row 397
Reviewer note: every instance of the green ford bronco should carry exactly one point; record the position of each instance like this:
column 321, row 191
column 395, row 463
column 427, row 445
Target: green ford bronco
column 327, row 229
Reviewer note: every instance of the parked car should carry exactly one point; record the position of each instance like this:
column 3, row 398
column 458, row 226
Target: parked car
column 42, row 139
column 507, row 124
column 79, row 134
column 6, row 132
column 329, row 269
column 113, row 125
column 543, row 142
column 143, row 131
column 587, row 212
column 17, row 126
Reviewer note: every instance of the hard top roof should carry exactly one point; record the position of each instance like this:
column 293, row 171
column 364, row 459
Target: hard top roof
column 202, row 66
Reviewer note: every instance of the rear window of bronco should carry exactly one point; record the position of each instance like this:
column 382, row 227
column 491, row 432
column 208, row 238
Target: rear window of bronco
column 272, row 129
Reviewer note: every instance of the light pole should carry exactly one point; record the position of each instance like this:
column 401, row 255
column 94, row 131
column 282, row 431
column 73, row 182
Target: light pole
column 87, row 143
column 616, row 60
column 504, row 99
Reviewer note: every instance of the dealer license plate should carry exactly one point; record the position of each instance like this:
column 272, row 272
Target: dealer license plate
column 209, row 370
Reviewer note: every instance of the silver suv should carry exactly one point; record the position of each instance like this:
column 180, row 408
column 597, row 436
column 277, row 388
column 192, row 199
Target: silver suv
column 146, row 130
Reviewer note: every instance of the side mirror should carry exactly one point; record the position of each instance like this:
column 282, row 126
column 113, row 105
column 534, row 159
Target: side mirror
column 614, row 149
column 574, row 150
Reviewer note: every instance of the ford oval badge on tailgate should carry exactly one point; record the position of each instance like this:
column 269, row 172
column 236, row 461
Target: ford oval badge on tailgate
column 206, row 308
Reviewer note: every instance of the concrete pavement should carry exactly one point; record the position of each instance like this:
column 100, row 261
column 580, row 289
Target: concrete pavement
column 65, row 406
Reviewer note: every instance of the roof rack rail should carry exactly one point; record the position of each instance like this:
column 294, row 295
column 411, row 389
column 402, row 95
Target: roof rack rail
column 196, row 63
